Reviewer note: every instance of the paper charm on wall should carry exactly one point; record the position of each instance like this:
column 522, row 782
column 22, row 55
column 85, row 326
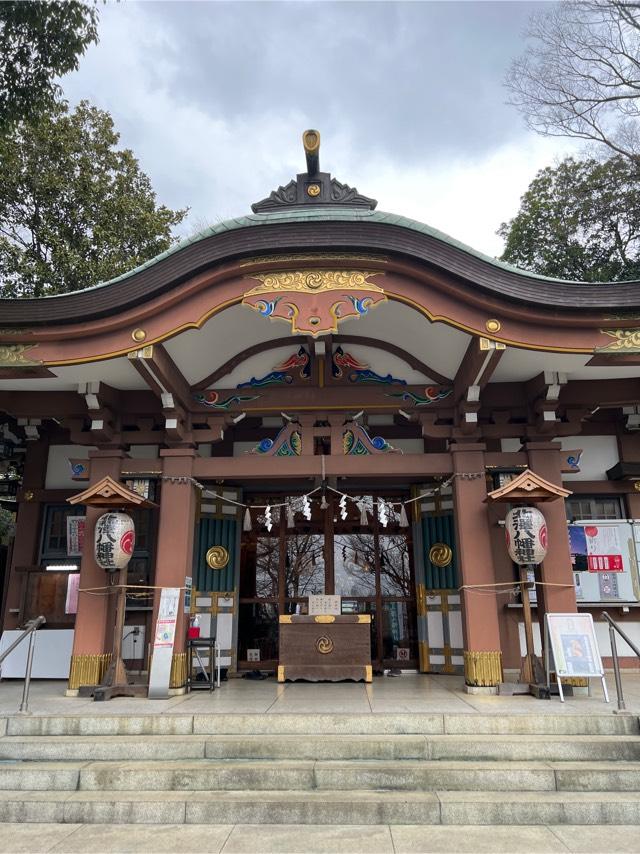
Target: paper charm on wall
column 314, row 301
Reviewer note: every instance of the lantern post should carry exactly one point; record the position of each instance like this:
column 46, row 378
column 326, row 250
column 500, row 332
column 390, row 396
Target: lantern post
column 526, row 535
column 114, row 543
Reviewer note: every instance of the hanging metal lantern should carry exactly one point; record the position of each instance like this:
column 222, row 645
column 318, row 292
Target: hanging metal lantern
column 526, row 534
column 114, row 541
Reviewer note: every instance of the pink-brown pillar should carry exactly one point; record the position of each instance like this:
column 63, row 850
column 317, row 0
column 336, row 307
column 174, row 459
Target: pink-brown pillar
column 92, row 639
column 28, row 524
column 545, row 459
column 176, row 529
column 482, row 651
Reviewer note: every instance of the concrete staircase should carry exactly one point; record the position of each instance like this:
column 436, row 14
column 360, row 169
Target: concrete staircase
column 321, row 769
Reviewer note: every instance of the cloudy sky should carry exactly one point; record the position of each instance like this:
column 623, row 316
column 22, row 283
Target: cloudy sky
column 408, row 97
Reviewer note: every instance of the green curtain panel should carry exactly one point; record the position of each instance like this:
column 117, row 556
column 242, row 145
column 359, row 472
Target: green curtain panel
column 214, row 532
column 439, row 529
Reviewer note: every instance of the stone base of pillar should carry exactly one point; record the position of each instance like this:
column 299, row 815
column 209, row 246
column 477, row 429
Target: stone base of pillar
column 88, row 669
column 178, row 677
column 483, row 669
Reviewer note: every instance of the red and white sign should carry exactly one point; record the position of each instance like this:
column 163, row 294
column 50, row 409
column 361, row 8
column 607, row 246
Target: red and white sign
column 604, row 551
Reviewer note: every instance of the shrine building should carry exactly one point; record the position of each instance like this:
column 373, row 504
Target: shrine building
column 317, row 398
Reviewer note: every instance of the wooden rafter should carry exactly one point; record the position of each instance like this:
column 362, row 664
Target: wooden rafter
column 161, row 373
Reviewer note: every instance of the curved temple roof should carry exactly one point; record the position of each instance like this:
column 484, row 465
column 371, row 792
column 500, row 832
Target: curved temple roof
column 316, row 212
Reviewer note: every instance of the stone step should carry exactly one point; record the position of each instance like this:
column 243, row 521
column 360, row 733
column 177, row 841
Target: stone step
column 408, row 775
column 257, row 747
column 322, row 807
column 544, row 723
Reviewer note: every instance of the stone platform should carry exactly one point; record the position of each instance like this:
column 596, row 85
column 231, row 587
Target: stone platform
column 411, row 763
column 406, row 693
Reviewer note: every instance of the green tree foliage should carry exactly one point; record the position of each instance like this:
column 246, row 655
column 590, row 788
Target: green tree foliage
column 580, row 221
column 39, row 41
column 74, row 209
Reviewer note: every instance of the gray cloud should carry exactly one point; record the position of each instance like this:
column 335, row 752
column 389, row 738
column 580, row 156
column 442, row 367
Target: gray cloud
column 212, row 98
column 406, row 79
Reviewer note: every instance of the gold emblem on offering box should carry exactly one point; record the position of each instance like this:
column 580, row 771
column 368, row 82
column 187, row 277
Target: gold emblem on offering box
column 217, row 557
column 324, row 645
column 440, row 554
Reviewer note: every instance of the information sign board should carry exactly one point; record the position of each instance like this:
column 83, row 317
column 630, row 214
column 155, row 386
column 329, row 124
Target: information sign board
column 163, row 643
column 572, row 649
column 324, row 605
column 604, row 558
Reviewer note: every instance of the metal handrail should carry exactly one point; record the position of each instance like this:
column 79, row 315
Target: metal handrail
column 30, row 629
column 613, row 628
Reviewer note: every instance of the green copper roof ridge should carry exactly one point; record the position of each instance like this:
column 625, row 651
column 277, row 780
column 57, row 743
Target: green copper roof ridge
column 325, row 213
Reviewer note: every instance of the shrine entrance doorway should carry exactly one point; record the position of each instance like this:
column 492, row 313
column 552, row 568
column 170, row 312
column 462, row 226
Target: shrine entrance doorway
column 369, row 565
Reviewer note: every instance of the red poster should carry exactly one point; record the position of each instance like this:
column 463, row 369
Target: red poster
column 605, row 563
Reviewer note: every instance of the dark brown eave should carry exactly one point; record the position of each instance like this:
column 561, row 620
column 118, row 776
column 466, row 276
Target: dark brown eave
column 495, row 282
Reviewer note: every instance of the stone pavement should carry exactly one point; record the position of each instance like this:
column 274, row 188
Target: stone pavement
column 308, row 839
column 406, row 693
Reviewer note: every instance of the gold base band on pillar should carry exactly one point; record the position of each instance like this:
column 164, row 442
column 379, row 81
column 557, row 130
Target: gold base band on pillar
column 178, row 677
column 280, row 673
column 483, row 669
column 88, row 669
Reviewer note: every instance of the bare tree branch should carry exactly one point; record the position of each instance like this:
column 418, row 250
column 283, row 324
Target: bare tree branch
column 580, row 75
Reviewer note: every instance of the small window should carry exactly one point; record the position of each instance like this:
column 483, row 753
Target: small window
column 594, row 507
column 54, row 534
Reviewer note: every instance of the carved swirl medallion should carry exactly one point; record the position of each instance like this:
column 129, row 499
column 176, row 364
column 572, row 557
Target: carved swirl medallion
column 324, row 645
column 217, row 557
column 440, row 554
column 313, row 190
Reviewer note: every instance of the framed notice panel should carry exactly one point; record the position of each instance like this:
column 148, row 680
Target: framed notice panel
column 605, row 563
column 572, row 649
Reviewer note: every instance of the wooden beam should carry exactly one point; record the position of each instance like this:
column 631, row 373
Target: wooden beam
column 254, row 466
column 298, row 340
column 162, row 374
column 477, row 366
column 212, row 378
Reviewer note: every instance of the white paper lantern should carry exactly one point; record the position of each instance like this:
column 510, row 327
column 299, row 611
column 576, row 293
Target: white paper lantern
column 114, row 541
column 526, row 534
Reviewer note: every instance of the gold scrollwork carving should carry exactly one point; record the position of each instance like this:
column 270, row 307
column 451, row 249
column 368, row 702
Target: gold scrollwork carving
column 16, row 355
column 217, row 557
column 440, row 554
column 324, row 645
column 313, row 281
column 324, row 618
column 625, row 341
